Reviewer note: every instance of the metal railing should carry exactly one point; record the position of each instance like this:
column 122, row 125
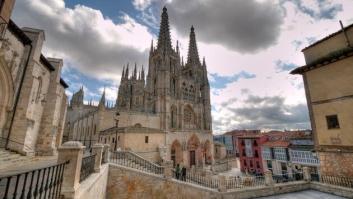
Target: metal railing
column 339, row 181
column 39, row 183
column 287, row 177
column 129, row 159
column 244, row 182
column 197, row 178
column 87, row 166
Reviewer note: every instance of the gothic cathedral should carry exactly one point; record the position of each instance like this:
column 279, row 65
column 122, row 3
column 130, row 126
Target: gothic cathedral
column 164, row 116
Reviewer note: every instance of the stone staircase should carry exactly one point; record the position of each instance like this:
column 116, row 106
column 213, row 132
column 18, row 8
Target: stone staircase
column 132, row 160
column 12, row 162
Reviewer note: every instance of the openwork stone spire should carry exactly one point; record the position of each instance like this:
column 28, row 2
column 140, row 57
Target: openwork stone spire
column 193, row 55
column 164, row 41
column 102, row 100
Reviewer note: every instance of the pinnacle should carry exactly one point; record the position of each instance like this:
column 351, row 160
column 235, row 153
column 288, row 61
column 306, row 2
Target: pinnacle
column 193, row 55
column 164, row 41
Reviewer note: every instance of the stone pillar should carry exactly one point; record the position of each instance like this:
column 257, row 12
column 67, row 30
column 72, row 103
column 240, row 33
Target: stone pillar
column 306, row 174
column 106, row 152
column 97, row 150
column 71, row 151
column 268, row 178
column 168, row 167
column 222, row 183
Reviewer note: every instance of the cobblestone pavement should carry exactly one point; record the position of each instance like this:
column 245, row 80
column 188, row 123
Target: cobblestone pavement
column 308, row 194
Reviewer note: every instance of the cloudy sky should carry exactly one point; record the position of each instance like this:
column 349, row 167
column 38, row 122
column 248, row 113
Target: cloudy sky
column 249, row 45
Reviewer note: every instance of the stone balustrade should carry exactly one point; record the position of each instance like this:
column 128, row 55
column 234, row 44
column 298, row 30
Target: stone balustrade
column 73, row 152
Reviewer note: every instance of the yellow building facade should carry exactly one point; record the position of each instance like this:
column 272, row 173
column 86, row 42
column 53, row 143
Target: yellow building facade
column 328, row 81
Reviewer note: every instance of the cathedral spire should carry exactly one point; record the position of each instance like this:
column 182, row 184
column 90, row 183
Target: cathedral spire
column 127, row 71
column 123, row 73
column 177, row 47
column 193, row 55
column 142, row 73
column 151, row 50
column 102, row 100
column 135, row 73
column 164, row 42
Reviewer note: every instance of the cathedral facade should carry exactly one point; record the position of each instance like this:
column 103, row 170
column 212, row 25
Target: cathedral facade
column 168, row 111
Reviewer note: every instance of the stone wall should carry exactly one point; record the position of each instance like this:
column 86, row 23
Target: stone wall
column 128, row 183
column 336, row 164
column 95, row 185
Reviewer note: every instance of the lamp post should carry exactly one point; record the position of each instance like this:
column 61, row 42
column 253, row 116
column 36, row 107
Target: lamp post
column 116, row 130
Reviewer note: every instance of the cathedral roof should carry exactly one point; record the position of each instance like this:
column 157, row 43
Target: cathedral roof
column 131, row 129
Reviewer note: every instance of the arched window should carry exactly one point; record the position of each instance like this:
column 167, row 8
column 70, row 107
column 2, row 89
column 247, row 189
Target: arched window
column 191, row 93
column 172, row 87
column 173, row 117
column 189, row 118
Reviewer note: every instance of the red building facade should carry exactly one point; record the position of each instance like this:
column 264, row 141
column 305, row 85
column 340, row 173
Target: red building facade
column 249, row 147
column 238, row 133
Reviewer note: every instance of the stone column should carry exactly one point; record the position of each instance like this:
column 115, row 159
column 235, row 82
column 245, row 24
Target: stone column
column 71, row 151
column 306, row 174
column 222, row 183
column 268, row 178
column 97, row 150
column 106, row 152
column 168, row 166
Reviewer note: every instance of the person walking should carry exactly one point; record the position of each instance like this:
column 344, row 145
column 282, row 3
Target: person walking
column 177, row 171
column 183, row 173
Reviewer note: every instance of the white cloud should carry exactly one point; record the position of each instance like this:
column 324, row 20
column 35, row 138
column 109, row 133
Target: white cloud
column 95, row 45
column 84, row 38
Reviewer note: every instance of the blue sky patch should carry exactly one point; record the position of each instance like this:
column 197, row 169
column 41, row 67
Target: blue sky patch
column 282, row 66
column 219, row 81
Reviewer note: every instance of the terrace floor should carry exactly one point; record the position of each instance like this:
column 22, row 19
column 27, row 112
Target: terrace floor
column 308, row 194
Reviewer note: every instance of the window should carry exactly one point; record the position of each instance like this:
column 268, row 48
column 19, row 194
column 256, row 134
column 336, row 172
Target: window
column 332, row 122
column 173, row 118
column 256, row 154
column 280, row 154
column 244, row 162
column 189, row 118
column 266, row 153
column 257, row 165
column 119, row 138
column 146, row 139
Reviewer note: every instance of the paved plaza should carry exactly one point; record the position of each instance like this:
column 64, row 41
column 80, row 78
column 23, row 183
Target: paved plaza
column 308, row 194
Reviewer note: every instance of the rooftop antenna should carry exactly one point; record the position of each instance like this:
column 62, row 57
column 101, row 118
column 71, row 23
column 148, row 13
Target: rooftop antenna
column 345, row 34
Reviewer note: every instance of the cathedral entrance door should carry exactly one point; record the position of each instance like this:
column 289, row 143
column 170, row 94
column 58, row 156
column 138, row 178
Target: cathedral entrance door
column 192, row 158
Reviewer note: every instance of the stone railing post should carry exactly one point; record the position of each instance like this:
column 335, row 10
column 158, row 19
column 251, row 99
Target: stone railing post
column 71, row 151
column 269, row 179
column 306, row 174
column 222, row 183
column 106, row 152
column 168, row 169
column 97, row 150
